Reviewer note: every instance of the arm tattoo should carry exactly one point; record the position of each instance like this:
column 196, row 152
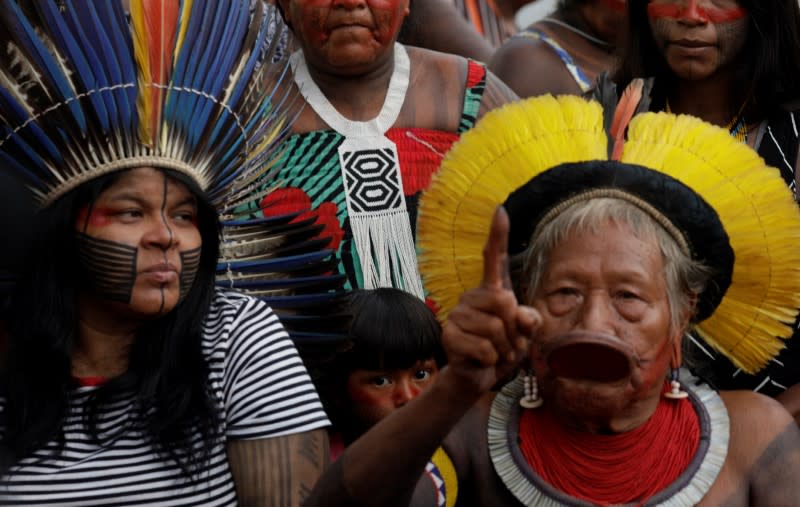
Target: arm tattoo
column 277, row 471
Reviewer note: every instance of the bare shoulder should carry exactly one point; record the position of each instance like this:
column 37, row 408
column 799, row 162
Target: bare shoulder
column 448, row 67
column 755, row 419
column 764, row 448
column 531, row 68
column 440, row 80
column 748, row 410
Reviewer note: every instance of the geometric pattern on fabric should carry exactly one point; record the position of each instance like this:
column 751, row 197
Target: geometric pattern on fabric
column 310, row 162
column 438, row 483
column 373, row 180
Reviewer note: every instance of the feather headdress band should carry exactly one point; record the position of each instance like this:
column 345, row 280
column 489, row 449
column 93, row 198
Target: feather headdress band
column 183, row 85
column 736, row 214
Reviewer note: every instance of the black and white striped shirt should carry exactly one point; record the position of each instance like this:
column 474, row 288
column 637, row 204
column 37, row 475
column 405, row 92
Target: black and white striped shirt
column 263, row 391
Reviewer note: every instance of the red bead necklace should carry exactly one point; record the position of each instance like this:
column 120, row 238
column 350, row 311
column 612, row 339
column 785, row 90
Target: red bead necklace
column 629, row 467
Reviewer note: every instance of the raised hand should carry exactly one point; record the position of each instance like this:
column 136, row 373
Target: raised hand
column 487, row 335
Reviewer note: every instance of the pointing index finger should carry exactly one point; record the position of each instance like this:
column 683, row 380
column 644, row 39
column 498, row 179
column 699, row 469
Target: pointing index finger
column 495, row 253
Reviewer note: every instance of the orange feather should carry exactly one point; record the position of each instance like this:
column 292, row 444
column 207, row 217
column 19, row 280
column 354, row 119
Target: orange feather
column 161, row 21
column 626, row 108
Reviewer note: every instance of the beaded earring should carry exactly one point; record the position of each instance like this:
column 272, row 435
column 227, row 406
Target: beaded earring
column 530, row 399
column 676, row 393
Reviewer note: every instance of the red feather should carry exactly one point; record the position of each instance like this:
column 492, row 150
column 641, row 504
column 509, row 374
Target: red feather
column 626, row 108
column 161, row 22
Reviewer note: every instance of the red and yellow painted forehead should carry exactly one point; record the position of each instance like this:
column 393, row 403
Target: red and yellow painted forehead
column 695, row 10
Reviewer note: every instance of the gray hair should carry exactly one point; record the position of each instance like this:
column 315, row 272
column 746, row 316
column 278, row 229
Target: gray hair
column 685, row 277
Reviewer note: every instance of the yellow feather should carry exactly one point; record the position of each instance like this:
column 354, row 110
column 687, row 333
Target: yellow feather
column 760, row 217
column 519, row 141
column 506, row 148
column 144, row 105
column 186, row 12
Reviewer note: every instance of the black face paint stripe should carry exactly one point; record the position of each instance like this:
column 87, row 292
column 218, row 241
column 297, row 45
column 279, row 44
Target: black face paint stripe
column 190, row 263
column 110, row 266
column 171, row 237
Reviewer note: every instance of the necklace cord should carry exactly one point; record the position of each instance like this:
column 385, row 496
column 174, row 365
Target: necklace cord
column 578, row 31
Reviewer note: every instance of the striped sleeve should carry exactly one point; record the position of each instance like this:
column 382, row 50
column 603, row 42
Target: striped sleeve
column 266, row 389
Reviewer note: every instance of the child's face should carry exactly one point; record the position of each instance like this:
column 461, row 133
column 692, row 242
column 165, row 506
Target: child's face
column 374, row 394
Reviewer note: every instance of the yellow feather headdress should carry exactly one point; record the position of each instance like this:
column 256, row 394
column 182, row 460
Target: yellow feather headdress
column 518, row 142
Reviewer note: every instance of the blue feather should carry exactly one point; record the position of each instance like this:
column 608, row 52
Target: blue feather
column 46, row 63
column 123, row 45
column 65, row 40
column 77, row 19
column 210, row 44
column 240, row 86
column 16, row 115
column 98, row 32
column 261, row 40
column 226, row 175
column 175, row 109
column 222, row 64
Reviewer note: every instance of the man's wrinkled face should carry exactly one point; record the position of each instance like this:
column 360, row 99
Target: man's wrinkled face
column 698, row 37
column 345, row 36
column 610, row 285
column 139, row 244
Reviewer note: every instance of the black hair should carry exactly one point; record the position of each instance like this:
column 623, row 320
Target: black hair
column 16, row 217
column 389, row 329
column 167, row 373
column 767, row 67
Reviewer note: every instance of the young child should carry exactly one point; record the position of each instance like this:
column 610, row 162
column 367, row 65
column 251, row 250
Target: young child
column 393, row 353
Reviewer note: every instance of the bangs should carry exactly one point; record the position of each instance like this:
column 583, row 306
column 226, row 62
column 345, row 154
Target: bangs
column 391, row 329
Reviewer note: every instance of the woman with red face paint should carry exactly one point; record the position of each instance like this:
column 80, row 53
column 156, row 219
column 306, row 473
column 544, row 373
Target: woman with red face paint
column 733, row 63
column 393, row 353
column 564, row 52
column 130, row 378
column 378, row 120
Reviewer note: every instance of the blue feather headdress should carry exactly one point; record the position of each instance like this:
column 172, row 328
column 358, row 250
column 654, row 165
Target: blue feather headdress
column 188, row 85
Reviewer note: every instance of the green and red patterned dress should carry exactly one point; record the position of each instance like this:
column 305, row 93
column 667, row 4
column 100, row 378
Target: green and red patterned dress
column 311, row 178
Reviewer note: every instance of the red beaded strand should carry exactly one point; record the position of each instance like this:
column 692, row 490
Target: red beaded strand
column 629, row 467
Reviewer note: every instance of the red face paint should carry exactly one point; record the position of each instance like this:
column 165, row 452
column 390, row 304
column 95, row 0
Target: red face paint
column 374, row 395
column 99, row 217
column 350, row 21
column 692, row 11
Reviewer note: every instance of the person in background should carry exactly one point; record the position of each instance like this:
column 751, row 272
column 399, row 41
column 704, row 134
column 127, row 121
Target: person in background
column 393, row 353
column 731, row 63
column 379, row 118
column 565, row 52
column 129, row 377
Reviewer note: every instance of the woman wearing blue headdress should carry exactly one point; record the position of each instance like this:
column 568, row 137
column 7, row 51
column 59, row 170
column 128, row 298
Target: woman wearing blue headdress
column 129, row 378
